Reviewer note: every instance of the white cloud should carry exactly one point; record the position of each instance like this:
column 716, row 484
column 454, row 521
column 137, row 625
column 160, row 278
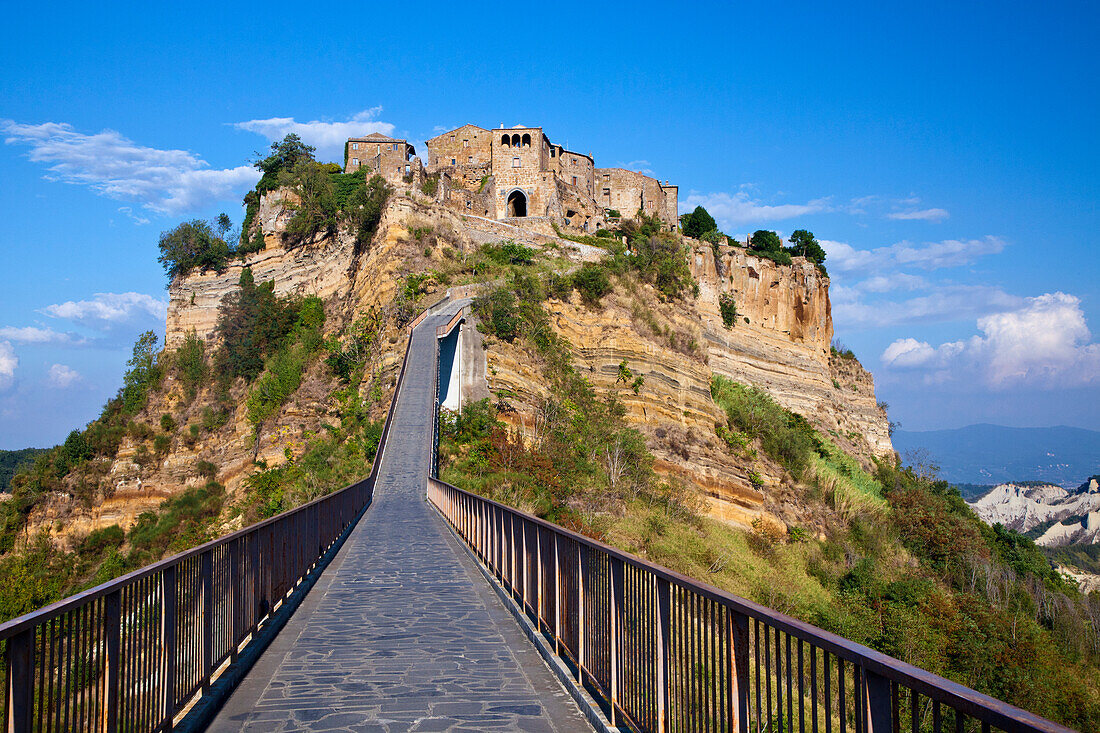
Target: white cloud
column 642, row 166
column 35, row 335
column 61, row 376
column 8, row 362
column 106, row 310
column 941, row 303
column 919, row 215
column 927, row 256
column 740, row 208
column 1044, row 342
column 328, row 137
column 165, row 181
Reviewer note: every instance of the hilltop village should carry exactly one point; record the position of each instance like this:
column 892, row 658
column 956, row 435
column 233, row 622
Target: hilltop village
column 517, row 173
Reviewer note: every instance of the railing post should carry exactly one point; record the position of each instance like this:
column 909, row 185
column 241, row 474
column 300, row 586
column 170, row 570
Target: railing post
column 168, row 638
column 112, row 628
column 540, row 578
column 20, row 669
column 664, row 636
column 235, row 597
column 206, row 577
column 557, row 594
column 616, row 624
column 523, row 567
column 738, row 630
column 876, row 700
column 580, row 614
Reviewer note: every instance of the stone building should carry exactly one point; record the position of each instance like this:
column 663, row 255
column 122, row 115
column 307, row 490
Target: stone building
column 394, row 159
column 518, row 172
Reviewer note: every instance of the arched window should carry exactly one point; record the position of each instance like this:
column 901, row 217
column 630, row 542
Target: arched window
column 515, row 141
column 517, row 204
column 526, row 141
column 504, row 140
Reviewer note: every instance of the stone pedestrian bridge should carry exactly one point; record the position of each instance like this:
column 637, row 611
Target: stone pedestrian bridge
column 404, row 604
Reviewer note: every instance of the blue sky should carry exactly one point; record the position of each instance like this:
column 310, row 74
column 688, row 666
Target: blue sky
column 946, row 154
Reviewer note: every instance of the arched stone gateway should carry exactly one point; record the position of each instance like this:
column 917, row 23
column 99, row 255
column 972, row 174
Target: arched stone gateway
column 517, row 203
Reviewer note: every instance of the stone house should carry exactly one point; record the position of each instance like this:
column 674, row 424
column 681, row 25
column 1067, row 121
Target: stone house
column 391, row 157
column 519, row 173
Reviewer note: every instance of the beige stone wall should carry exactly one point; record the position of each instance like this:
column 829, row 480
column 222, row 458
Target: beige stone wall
column 577, row 170
column 672, row 205
column 628, row 191
column 520, row 161
column 467, row 147
column 392, row 158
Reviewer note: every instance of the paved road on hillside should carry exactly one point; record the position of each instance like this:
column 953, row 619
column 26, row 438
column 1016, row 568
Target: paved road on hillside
column 401, row 632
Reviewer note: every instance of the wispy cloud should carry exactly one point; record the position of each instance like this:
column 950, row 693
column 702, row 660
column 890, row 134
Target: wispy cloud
column 8, row 363
column 328, row 136
column 736, row 209
column 939, row 303
column 1044, row 342
column 169, row 182
column 36, row 335
column 919, row 215
column 926, row 255
column 61, row 376
column 107, row 310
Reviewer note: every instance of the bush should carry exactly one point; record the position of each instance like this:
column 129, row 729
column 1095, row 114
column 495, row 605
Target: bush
column 430, row 185
column 102, row 539
column 698, row 223
column 144, row 374
column 316, row 210
column 592, row 282
column 192, row 245
column 509, row 253
column 252, row 323
column 167, row 423
column 498, row 314
column 785, row 436
column 765, row 241
column 191, row 366
column 661, row 260
column 728, row 306
column 283, row 371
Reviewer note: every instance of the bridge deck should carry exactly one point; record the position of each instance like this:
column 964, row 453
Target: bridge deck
column 401, row 631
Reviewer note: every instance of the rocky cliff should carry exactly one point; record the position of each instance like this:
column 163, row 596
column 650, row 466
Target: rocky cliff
column 1059, row 517
column 780, row 342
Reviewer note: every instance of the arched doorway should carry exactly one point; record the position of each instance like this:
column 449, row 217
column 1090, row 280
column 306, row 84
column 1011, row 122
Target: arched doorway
column 517, row 204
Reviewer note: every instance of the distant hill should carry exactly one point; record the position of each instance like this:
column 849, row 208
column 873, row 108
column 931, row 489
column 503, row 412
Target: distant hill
column 12, row 460
column 993, row 454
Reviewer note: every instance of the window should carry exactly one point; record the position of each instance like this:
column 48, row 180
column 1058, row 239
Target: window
column 607, row 176
column 395, row 146
column 552, row 151
column 454, row 162
column 469, row 205
column 465, row 143
column 470, row 159
column 573, row 161
column 408, row 169
column 574, row 180
column 504, row 140
column 515, row 162
column 607, row 192
column 355, row 161
column 355, row 146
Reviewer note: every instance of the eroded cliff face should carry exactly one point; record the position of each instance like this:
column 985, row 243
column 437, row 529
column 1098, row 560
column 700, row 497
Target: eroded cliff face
column 780, row 342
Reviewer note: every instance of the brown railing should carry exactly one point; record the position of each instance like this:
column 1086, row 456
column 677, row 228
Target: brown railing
column 668, row 653
column 133, row 653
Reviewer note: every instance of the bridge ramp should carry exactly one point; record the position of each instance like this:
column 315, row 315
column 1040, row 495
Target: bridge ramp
column 401, row 632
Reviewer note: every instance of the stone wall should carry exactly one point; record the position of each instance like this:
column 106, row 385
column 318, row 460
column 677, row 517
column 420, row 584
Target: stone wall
column 393, row 159
column 628, row 191
column 468, row 146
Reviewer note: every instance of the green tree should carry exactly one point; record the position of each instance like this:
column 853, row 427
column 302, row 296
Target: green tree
column 316, row 209
column 192, row 245
column 252, row 323
column 285, row 155
column 803, row 244
column 143, row 374
column 365, row 207
column 766, row 241
column 698, row 223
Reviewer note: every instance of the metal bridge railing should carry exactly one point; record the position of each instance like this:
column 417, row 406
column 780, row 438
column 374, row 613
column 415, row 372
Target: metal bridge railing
column 133, row 653
column 668, row 653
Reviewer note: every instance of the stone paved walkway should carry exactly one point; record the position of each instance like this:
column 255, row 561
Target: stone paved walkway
column 401, row 632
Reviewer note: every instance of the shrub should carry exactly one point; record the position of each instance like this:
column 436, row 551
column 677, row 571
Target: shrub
column 315, row 211
column 252, row 323
column 192, row 245
column 662, row 260
column 498, row 314
column 283, row 371
column 592, row 282
column 161, row 444
column 509, row 253
column 430, row 185
column 765, row 241
column 102, row 539
column 167, row 423
column 728, row 306
column 697, row 223
column 190, row 363
column 144, row 373
column 365, row 206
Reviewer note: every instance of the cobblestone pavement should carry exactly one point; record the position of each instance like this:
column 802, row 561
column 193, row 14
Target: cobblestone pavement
column 401, row 632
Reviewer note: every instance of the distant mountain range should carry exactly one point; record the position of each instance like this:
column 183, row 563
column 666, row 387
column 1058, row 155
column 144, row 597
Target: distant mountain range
column 995, row 454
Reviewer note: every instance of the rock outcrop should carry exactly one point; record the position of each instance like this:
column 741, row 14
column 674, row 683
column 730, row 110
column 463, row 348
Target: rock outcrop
column 781, row 343
column 1071, row 516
